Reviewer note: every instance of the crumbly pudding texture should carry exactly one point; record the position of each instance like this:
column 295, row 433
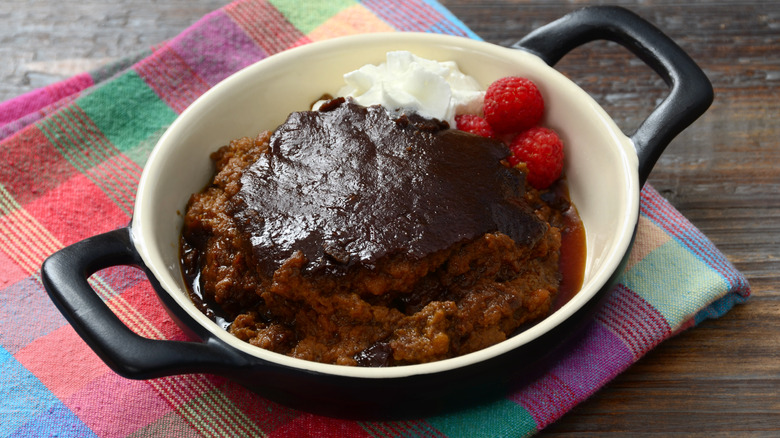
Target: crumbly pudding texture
column 358, row 236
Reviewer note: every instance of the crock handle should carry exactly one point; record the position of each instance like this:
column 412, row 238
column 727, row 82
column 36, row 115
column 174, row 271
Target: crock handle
column 691, row 92
column 65, row 276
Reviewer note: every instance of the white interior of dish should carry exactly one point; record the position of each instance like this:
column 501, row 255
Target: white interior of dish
column 601, row 162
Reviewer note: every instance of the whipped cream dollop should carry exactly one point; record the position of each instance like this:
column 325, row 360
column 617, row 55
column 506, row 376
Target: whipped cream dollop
column 406, row 81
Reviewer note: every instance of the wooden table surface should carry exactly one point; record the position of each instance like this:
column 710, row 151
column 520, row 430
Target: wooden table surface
column 720, row 378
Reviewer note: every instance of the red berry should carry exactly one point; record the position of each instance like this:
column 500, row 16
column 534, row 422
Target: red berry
column 513, row 104
column 474, row 124
column 542, row 152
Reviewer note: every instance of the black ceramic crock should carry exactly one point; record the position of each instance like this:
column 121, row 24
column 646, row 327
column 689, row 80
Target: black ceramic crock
column 377, row 393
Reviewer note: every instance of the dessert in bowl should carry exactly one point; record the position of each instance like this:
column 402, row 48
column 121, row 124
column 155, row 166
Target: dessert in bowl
column 379, row 235
column 604, row 168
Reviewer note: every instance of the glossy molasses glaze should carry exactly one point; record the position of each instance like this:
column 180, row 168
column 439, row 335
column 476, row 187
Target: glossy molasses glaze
column 349, row 185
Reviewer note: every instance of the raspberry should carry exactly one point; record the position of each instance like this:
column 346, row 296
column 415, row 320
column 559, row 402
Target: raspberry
column 474, row 124
column 542, row 152
column 513, row 104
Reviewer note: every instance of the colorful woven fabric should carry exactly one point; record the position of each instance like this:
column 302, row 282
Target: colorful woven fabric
column 72, row 154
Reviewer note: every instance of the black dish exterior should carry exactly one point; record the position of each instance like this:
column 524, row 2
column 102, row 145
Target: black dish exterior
column 65, row 274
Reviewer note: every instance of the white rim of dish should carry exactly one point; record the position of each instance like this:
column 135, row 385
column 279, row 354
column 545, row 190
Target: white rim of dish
column 595, row 283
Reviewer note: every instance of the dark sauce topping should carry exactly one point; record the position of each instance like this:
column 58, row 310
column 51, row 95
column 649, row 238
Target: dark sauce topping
column 349, row 185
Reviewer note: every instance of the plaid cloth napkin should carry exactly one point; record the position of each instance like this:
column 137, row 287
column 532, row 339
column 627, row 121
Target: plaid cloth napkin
column 72, row 154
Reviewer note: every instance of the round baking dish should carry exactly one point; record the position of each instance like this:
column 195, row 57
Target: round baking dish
column 605, row 169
